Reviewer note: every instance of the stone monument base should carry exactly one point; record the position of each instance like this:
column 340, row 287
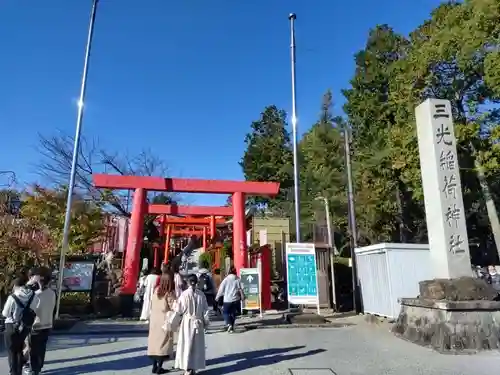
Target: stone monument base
column 461, row 318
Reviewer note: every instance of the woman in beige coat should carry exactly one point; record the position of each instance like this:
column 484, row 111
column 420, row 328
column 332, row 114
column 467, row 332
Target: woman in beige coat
column 161, row 343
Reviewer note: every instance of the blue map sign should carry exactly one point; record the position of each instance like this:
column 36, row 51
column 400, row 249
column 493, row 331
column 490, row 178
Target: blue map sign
column 302, row 280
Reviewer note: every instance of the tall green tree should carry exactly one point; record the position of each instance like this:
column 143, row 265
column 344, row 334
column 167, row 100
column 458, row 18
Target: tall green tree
column 268, row 155
column 452, row 56
column 322, row 169
column 382, row 195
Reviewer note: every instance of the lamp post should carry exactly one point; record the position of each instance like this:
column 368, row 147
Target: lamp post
column 292, row 17
column 332, row 248
column 74, row 162
column 352, row 219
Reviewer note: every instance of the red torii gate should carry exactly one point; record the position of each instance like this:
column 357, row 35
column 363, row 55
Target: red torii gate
column 161, row 209
column 193, row 211
column 173, row 209
column 143, row 184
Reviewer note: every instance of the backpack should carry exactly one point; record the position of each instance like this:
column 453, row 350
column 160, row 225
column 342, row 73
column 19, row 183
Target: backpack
column 204, row 283
column 28, row 316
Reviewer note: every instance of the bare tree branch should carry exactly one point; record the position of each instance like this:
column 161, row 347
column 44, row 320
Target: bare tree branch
column 56, row 153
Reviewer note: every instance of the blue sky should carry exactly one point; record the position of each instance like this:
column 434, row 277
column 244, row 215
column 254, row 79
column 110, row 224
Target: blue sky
column 183, row 78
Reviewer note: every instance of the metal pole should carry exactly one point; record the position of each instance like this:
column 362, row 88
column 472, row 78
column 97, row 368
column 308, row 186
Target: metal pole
column 328, row 222
column 76, row 150
column 292, row 17
column 331, row 244
column 352, row 218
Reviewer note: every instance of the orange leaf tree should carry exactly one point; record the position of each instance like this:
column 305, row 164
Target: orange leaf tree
column 46, row 208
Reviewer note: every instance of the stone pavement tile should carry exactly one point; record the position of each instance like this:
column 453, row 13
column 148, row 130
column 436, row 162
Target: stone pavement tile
column 355, row 350
column 311, row 371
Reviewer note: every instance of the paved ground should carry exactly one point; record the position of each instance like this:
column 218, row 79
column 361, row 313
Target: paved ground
column 360, row 349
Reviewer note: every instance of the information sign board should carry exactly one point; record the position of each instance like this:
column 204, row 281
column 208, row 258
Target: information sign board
column 302, row 280
column 250, row 282
column 78, row 276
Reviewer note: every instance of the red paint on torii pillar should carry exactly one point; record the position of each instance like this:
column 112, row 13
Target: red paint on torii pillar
column 238, row 189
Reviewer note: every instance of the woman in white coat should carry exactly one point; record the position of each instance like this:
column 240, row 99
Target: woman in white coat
column 193, row 307
column 150, row 283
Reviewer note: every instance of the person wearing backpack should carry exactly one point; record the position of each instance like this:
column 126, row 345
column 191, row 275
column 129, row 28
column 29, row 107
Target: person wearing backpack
column 43, row 323
column 32, row 284
column 20, row 313
column 206, row 284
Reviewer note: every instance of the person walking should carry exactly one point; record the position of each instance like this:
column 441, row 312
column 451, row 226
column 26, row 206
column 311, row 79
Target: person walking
column 232, row 293
column 148, row 286
column 206, row 283
column 33, row 285
column 179, row 282
column 43, row 323
column 192, row 306
column 19, row 312
column 161, row 342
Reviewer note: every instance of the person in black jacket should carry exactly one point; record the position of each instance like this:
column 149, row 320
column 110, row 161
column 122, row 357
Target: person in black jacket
column 33, row 285
column 33, row 279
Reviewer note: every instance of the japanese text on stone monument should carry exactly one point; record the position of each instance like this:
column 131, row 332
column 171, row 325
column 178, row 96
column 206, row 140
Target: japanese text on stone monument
column 445, row 144
column 444, row 207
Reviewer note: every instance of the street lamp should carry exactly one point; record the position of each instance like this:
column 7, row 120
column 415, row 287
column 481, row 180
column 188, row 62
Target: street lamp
column 292, row 17
column 332, row 248
column 74, row 162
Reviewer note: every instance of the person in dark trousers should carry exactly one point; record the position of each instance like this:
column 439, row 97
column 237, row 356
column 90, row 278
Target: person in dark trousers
column 206, row 284
column 232, row 292
column 32, row 284
column 15, row 333
column 43, row 323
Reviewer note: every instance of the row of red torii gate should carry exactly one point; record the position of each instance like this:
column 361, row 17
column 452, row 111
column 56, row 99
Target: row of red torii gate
column 140, row 185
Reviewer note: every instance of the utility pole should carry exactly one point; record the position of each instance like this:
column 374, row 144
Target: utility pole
column 352, row 219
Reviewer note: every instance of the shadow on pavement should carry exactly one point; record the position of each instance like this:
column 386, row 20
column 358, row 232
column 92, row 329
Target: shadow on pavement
column 251, row 355
column 66, row 342
column 106, row 328
column 71, row 341
column 127, row 363
column 246, row 360
column 252, row 360
column 100, row 355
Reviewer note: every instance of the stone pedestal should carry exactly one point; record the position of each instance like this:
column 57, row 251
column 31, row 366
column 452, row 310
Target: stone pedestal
column 451, row 316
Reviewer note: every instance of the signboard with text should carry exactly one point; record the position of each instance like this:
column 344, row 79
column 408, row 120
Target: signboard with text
column 302, row 281
column 250, row 282
column 78, row 276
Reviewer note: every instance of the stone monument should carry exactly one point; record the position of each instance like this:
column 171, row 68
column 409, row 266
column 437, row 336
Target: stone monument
column 454, row 312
